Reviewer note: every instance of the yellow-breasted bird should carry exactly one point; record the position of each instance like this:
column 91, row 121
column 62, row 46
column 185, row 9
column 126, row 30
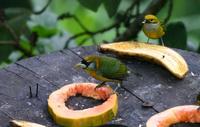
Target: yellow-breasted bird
column 153, row 28
column 104, row 68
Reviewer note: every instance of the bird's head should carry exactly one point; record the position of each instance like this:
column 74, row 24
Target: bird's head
column 151, row 19
column 88, row 62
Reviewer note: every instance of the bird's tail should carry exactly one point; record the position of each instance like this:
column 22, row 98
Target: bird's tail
column 130, row 71
column 144, row 102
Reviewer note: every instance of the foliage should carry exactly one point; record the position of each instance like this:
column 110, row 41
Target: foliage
column 178, row 41
column 33, row 27
column 111, row 6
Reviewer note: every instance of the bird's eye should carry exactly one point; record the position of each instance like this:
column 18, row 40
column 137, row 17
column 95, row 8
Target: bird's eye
column 151, row 20
column 85, row 62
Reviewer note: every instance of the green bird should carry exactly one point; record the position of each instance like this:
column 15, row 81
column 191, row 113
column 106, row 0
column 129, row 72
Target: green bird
column 107, row 69
column 104, row 68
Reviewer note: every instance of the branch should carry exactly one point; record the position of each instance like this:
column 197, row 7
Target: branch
column 169, row 11
column 138, row 8
column 153, row 8
column 7, row 42
column 80, row 23
column 90, row 33
column 83, row 41
column 128, row 16
column 75, row 36
column 15, row 41
column 135, row 3
column 68, row 15
column 11, row 42
column 43, row 9
column 10, row 30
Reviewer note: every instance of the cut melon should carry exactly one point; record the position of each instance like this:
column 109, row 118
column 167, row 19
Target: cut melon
column 89, row 117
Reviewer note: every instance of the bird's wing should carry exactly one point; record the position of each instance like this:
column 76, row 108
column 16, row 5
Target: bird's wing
column 163, row 26
column 112, row 69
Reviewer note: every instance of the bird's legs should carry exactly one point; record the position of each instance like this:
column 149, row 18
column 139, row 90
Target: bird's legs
column 118, row 86
column 100, row 85
column 161, row 39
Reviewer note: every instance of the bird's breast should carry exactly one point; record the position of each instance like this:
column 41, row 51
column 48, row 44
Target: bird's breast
column 151, row 27
column 153, row 31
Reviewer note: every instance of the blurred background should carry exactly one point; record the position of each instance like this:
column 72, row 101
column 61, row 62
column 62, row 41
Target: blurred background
column 33, row 27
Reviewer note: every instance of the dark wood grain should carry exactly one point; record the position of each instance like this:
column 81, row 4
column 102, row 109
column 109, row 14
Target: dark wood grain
column 52, row 71
column 162, row 88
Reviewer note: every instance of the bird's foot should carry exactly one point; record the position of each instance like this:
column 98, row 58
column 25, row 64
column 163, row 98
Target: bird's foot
column 115, row 92
column 100, row 85
column 118, row 86
column 162, row 41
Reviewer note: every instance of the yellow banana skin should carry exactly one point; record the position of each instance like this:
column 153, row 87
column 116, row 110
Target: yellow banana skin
column 162, row 55
column 21, row 123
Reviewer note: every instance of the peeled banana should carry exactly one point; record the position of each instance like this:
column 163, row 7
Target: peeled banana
column 162, row 55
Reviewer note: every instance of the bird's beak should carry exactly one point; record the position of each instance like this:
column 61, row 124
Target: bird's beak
column 80, row 65
column 143, row 22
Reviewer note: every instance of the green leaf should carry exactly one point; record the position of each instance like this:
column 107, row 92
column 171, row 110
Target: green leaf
column 91, row 4
column 111, row 6
column 45, row 24
column 16, row 19
column 176, row 35
column 15, row 4
column 3, row 64
column 25, row 44
column 46, row 19
column 15, row 56
column 44, row 31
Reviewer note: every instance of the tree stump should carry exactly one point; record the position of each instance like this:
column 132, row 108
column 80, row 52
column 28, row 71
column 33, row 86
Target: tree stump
column 52, row 71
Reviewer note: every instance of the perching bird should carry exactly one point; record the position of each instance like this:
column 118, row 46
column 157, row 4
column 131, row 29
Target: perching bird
column 153, row 28
column 107, row 69
column 104, row 68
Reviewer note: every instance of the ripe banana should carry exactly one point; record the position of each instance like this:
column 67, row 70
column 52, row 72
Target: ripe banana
column 21, row 123
column 162, row 55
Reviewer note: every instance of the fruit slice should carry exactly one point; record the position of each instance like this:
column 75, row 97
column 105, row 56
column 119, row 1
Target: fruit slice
column 162, row 55
column 22, row 123
column 185, row 113
column 89, row 117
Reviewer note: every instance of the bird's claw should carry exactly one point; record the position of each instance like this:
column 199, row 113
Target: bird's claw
column 96, row 88
column 115, row 92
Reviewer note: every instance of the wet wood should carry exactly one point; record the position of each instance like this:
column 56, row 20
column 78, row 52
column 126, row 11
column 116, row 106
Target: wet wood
column 51, row 71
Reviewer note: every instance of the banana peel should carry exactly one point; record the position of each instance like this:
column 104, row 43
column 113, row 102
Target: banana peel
column 162, row 55
column 22, row 123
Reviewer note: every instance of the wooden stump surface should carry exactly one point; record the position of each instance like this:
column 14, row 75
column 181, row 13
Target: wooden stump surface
column 52, row 71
